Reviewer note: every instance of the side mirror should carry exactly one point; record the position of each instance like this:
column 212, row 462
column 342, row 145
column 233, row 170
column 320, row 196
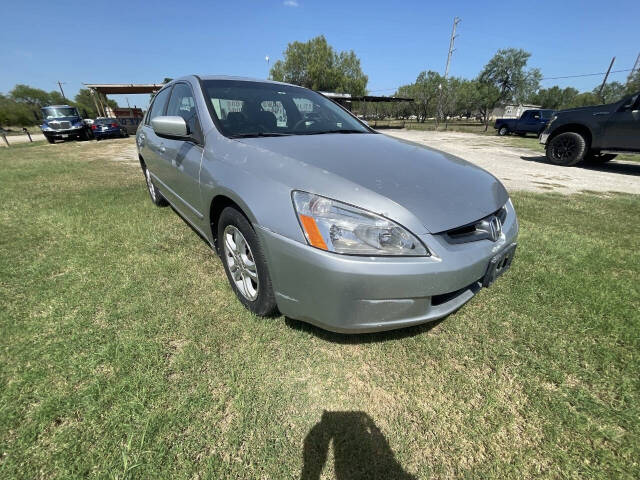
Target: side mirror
column 170, row 126
column 627, row 104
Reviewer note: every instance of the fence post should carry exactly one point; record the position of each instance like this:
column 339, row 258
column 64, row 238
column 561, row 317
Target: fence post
column 24, row 129
column 5, row 139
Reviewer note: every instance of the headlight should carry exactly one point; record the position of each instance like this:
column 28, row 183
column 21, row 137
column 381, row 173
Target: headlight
column 337, row 227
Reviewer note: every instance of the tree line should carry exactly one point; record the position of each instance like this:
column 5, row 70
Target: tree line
column 21, row 107
column 504, row 80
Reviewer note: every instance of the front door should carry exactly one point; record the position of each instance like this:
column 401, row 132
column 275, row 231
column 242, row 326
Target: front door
column 185, row 156
column 622, row 130
column 532, row 122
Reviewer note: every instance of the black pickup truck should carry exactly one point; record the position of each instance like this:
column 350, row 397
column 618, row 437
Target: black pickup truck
column 594, row 134
column 531, row 121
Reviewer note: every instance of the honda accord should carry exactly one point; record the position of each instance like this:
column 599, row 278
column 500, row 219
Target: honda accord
column 316, row 215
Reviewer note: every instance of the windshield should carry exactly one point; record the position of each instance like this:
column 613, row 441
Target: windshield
column 252, row 109
column 57, row 112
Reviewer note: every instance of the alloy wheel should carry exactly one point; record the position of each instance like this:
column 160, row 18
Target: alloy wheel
column 241, row 263
column 565, row 149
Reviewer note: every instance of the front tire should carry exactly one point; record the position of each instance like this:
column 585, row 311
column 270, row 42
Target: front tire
column 156, row 197
column 244, row 263
column 567, row 149
column 502, row 131
column 51, row 140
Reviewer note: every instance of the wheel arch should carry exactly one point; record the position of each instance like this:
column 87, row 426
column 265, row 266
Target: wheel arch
column 218, row 204
column 574, row 127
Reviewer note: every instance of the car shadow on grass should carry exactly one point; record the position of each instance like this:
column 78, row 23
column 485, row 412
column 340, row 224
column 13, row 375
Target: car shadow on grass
column 360, row 338
column 626, row 168
column 360, row 450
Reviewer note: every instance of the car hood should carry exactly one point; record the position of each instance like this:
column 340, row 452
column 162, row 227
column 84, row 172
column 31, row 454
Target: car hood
column 440, row 190
column 593, row 108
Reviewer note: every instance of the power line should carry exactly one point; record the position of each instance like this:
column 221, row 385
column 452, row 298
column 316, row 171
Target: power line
column 542, row 79
column 586, row 74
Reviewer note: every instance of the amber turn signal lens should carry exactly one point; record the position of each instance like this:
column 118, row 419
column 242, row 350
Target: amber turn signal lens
column 313, row 234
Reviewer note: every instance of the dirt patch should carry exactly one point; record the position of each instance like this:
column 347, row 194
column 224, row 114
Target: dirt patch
column 525, row 169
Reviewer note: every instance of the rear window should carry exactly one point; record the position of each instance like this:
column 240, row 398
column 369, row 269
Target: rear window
column 105, row 121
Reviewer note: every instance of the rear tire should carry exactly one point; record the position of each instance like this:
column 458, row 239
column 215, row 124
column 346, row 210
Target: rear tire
column 156, row 197
column 244, row 263
column 566, row 149
column 502, row 131
column 598, row 159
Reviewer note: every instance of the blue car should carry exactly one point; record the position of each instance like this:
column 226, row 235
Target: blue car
column 108, row 128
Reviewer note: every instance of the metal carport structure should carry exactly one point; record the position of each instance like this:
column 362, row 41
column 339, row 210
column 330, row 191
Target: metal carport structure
column 118, row 89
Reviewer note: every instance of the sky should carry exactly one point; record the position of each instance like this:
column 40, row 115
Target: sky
column 143, row 42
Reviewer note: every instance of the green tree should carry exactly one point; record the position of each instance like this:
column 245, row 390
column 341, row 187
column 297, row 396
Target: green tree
column 612, row 92
column 315, row 64
column 584, row 99
column 29, row 95
column 425, row 93
column 507, row 72
column 15, row 114
column 633, row 83
column 506, row 79
column 486, row 97
column 554, row 97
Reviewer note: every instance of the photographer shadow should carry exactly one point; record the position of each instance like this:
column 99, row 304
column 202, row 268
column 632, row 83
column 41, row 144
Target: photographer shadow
column 360, row 450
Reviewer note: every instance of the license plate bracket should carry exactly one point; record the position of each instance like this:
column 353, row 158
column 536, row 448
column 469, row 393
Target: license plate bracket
column 499, row 264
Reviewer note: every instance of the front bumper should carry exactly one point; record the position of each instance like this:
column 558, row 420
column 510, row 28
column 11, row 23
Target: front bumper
column 60, row 134
column 351, row 294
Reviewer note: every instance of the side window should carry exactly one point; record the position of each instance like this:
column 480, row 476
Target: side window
column 535, row 115
column 182, row 104
column 159, row 103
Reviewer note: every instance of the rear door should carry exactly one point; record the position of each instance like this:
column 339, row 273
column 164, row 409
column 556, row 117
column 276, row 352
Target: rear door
column 152, row 147
column 184, row 156
column 622, row 128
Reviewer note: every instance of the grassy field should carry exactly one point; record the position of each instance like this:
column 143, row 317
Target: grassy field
column 124, row 354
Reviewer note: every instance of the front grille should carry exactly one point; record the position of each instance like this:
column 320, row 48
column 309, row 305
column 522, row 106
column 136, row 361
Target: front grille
column 62, row 125
column 472, row 232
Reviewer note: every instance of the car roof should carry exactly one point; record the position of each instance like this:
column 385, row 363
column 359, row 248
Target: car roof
column 59, row 106
column 235, row 78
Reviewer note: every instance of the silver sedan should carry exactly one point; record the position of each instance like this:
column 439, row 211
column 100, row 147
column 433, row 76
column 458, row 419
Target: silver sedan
column 316, row 215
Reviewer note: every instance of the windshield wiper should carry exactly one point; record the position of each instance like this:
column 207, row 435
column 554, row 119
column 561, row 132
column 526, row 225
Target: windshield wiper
column 259, row 134
column 322, row 132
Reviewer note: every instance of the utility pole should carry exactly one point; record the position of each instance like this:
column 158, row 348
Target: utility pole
column 61, row 91
column 456, row 21
column 635, row 67
column 605, row 79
